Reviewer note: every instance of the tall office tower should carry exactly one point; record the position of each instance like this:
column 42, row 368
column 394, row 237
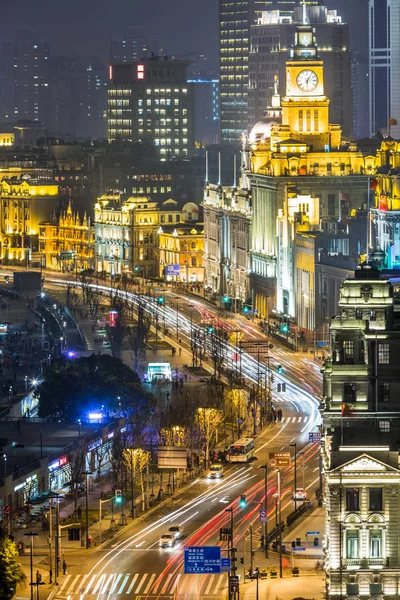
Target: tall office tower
column 134, row 45
column 235, row 19
column 359, row 85
column 270, row 39
column 152, row 101
column 384, row 66
column 94, row 100
column 24, row 74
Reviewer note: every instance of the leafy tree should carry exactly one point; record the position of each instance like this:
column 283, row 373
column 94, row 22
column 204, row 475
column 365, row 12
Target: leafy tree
column 72, row 388
column 136, row 460
column 10, row 569
column 208, row 420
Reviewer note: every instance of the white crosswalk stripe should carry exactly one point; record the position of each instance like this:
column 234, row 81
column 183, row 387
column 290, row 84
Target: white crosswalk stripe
column 297, row 419
column 109, row 585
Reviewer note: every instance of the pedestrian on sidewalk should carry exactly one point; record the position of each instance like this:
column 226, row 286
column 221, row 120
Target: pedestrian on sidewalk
column 64, row 566
column 51, row 575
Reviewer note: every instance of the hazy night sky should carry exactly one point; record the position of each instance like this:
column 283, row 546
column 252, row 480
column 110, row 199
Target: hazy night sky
column 85, row 27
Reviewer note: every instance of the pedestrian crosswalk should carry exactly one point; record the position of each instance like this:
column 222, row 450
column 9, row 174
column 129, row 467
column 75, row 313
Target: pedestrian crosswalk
column 298, row 419
column 137, row 584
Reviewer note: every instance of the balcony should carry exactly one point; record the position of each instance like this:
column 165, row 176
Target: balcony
column 365, row 563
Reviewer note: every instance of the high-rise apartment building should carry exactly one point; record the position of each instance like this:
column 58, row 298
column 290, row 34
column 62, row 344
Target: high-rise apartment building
column 235, row 19
column 270, row 39
column 24, row 78
column 152, row 101
column 384, row 66
column 134, row 45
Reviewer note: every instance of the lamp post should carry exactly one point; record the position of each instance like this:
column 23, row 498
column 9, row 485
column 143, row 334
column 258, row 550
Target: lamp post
column 265, row 523
column 233, row 569
column 280, row 522
column 294, row 445
column 53, row 496
column 87, row 473
column 31, row 534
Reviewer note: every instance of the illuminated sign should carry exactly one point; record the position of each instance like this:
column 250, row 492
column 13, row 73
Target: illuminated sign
column 110, row 72
column 113, row 317
column 58, row 463
column 140, row 71
column 94, row 445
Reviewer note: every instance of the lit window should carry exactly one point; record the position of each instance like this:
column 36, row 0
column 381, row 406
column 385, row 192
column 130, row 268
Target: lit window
column 352, row 499
column 348, row 351
column 384, row 391
column 375, row 499
column 383, row 354
column 375, row 543
column 352, row 544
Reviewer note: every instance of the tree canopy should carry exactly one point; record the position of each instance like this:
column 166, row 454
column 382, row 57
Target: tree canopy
column 73, row 388
column 10, row 569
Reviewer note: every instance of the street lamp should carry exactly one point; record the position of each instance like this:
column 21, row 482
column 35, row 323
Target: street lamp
column 87, row 473
column 31, row 534
column 279, row 506
column 5, row 465
column 265, row 523
column 53, row 496
column 294, row 445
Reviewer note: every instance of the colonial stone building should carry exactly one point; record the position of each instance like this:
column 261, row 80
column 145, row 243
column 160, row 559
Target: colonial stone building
column 361, row 440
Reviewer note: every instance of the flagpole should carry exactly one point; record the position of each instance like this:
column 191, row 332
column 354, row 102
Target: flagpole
column 368, row 204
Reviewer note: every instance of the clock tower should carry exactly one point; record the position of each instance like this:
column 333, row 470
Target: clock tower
column 305, row 108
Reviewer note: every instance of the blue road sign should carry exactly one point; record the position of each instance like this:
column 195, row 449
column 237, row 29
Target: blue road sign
column 322, row 343
column 172, row 270
column 314, row 436
column 263, row 516
column 225, row 565
column 298, row 549
column 202, row 560
column 313, row 533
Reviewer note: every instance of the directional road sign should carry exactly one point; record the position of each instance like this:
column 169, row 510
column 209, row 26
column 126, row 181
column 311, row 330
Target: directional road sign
column 298, row 549
column 202, row 560
column 314, row 436
column 263, row 516
column 282, row 459
column 225, row 565
column 313, row 533
column 234, row 583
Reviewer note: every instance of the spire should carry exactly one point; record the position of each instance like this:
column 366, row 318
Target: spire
column 304, row 19
column 276, row 99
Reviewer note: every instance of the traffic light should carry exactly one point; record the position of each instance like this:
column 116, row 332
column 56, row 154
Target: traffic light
column 279, row 387
column 210, row 329
column 285, row 328
column 226, row 298
column 118, row 496
column 160, row 300
column 243, row 502
column 279, row 369
column 246, row 309
column 283, row 387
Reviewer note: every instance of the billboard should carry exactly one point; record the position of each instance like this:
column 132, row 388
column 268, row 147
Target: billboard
column 171, row 457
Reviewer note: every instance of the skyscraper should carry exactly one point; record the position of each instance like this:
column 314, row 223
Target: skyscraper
column 134, row 45
column 384, row 65
column 235, row 19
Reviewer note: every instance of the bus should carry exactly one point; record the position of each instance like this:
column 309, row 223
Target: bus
column 241, row 451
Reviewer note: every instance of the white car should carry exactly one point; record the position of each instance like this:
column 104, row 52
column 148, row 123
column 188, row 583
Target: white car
column 177, row 531
column 167, row 540
column 215, row 472
column 300, row 495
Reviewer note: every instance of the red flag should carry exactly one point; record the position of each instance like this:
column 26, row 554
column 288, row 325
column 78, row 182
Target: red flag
column 346, row 409
column 383, row 204
column 372, row 184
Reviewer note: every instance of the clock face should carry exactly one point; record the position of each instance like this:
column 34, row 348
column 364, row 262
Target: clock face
column 307, row 80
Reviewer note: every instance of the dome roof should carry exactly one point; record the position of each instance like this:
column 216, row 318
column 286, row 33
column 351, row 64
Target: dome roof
column 262, row 129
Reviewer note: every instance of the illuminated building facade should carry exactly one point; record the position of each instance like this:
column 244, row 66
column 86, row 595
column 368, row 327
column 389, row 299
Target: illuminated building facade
column 181, row 249
column 386, row 205
column 270, row 40
column 127, row 233
column 67, row 243
column 384, row 66
column 227, row 223
column 360, row 440
column 300, row 172
column 152, row 101
column 235, row 19
column 24, row 204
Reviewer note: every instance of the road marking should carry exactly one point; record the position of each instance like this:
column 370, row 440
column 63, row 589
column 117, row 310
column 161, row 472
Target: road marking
column 164, row 588
column 219, row 583
column 91, row 583
column 209, row 584
column 123, row 584
column 99, row 584
column 64, row 583
column 115, row 582
column 81, row 587
column 105, row 586
column 128, row 591
column 71, row 587
column 141, row 544
column 148, row 586
column 141, row 582
column 300, row 419
column 176, row 582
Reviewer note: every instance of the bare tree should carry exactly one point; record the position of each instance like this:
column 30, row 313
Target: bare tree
column 117, row 330
column 77, row 464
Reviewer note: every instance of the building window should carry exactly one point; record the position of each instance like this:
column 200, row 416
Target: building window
column 316, row 120
column 375, row 543
column 308, row 120
column 384, row 426
column 375, row 499
column 352, row 544
column 352, row 499
column 348, row 351
column 301, row 126
column 384, row 391
column 383, row 354
column 349, row 393
column 331, row 205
